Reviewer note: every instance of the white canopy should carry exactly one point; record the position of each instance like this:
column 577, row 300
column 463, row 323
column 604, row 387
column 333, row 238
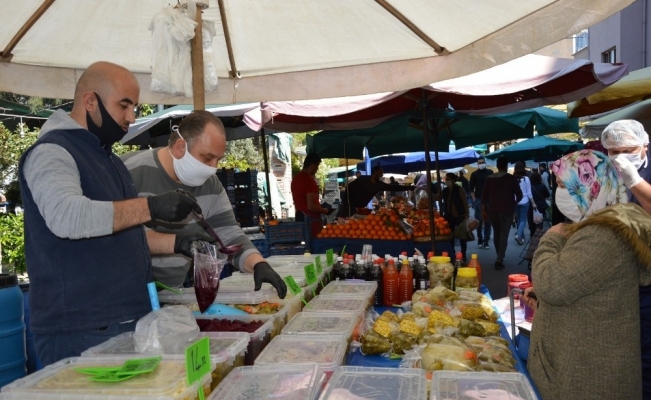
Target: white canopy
column 289, row 49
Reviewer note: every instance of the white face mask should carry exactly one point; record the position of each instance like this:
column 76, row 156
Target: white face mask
column 189, row 170
column 481, row 166
column 567, row 205
column 634, row 158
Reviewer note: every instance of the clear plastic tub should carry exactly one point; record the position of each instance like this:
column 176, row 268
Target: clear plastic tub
column 481, row 385
column 345, row 288
column 60, row 381
column 332, row 304
column 227, row 350
column 258, row 339
column 328, row 351
column 279, row 382
column 377, row 384
column 322, row 324
column 225, row 295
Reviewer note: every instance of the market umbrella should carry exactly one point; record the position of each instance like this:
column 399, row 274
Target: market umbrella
column 523, row 83
column 404, row 133
column 410, row 162
column 630, row 89
column 290, row 49
column 540, row 148
column 640, row 112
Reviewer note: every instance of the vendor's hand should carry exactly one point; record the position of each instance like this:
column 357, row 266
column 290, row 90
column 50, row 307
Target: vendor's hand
column 262, row 272
column 484, row 216
column 331, row 210
column 172, row 206
column 183, row 243
column 627, row 170
column 528, row 298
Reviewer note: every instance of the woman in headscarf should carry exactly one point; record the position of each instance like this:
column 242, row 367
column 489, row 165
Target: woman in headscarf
column 585, row 340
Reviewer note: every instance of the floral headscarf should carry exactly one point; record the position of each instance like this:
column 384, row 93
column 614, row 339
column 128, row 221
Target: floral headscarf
column 591, row 179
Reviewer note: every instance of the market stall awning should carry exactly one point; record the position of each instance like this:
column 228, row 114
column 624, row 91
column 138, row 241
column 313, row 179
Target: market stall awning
column 630, row 89
column 540, row 148
column 412, row 162
column 290, row 49
column 527, row 82
column 404, row 133
column 640, row 112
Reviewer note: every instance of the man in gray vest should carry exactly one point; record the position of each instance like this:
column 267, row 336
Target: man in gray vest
column 87, row 255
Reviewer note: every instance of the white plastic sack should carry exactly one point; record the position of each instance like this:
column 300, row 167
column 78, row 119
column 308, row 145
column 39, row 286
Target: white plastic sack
column 167, row 330
column 537, row 217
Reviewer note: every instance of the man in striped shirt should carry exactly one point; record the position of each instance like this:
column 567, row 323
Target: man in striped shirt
column 189, row 163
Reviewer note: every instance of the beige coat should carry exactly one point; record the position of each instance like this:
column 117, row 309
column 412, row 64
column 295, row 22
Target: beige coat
column 585, row 340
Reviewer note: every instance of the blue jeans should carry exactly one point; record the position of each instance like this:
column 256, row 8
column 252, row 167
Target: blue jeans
column 54, row 347
column 484, row 228
column 521, row 218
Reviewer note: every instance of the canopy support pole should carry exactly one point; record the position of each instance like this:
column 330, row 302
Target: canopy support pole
column 265, row 156
column 428, row 172
column 196, row 56
column 5, row 55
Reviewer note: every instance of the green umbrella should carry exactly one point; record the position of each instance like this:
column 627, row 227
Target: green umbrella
column 540, row 148
column 404, row 133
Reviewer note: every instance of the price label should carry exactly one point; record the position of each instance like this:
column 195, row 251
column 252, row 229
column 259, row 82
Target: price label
column 139, row 366
column 317, row 261
column 197, row 362
column 330, row 258
column 292, row 285
column 310, row 274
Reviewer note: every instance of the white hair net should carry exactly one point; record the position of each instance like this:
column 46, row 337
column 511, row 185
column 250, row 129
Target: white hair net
column 624, row 133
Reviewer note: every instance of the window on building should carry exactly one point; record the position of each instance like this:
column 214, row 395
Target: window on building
column 609, row 56
column 581, row 41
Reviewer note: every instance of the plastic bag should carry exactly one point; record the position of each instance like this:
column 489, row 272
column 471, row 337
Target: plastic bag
column 472, row 224
column 537, row 217
column 208, row 266
column 462, row 232
column 167, row 330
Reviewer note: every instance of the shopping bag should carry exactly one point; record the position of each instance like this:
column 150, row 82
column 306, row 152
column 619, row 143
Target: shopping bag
column 461, row 231
column 537, row 217
column 472, row 223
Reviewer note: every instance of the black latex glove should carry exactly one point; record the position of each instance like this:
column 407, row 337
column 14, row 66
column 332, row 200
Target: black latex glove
column 183, row 243
column 172, row 206
column 262, row 272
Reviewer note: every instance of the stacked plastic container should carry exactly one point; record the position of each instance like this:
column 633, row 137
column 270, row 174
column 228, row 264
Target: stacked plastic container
column 351, row 289
column 377, row 384
column 336, row 305
column 455, row 385
column 306, row 323
column 61, row 381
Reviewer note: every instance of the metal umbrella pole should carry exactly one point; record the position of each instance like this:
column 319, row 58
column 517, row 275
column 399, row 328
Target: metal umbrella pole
column 265, row 156
column 428, row 171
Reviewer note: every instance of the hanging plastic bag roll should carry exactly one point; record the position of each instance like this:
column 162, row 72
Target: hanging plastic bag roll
column 208, row 265
column 167, row 330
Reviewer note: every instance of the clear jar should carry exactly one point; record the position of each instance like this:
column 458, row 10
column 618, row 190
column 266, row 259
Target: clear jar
column 467, row 280
column 441, row 272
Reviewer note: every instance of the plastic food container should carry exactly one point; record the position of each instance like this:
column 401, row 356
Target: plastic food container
column 61, row 381
column 279, row 382
column 225, row 295
column 481, row 385
column 258, row 339
column 377, row 384
column 227, row 350
column 345, row 288
column 331, row 304
column 328, row 351
column 305, row 323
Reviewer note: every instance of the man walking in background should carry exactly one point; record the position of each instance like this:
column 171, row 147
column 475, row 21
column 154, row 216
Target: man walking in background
column 476, row 186
column 498, row 200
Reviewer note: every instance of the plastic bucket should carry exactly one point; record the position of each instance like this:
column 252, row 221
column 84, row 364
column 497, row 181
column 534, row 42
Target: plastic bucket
column 12, row 331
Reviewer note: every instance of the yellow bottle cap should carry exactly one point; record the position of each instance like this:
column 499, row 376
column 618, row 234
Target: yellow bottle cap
column 467, row 272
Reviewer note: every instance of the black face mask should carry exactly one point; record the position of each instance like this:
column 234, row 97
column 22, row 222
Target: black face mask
column 110, row 132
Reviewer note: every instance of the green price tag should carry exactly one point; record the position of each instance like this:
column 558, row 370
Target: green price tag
column 317, row 261
column 330, row 258
column 139, row 366
column 197, row 362
column 310, row 274
column 292, row 285
column 130, row 369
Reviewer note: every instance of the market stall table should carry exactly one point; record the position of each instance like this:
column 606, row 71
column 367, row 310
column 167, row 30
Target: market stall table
column 380, row 247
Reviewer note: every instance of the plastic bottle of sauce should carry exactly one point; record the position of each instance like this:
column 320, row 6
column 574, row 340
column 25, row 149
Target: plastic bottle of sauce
column 467, row 280
column 375, row 275
column 413, row 264
column 458, row 263
column 406, row 282
column 424, row 275
column 515, row 280
column 391, row 285
column 474, row 263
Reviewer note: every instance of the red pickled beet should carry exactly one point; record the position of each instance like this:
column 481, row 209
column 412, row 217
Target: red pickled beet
column 205, row 288
column 224, row 325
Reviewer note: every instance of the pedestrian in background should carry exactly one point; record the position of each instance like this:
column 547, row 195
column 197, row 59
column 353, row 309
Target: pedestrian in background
column 522, row 208
column 475, row 188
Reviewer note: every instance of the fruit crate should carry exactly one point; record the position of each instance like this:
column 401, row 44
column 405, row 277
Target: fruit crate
column 286, row 232
column 230, row 191
column 226, row 177
column 249, row 193
column 246, row 178
column 261, row 245
column 287, row 250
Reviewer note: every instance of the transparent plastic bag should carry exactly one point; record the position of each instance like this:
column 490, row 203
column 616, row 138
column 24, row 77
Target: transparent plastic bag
column 208, row 265
column 167, row 330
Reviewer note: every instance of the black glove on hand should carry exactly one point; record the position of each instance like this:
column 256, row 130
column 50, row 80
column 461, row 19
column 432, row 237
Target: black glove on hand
column 172, row 206
column 183, row 243
column 262, row 272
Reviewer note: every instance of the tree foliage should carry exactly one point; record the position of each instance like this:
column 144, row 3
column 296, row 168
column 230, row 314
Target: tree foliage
column 299, row 139
column 12, row 147
column 243, row 154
